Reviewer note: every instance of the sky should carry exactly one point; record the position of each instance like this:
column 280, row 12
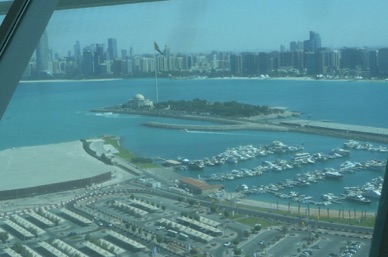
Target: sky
column 192, row 26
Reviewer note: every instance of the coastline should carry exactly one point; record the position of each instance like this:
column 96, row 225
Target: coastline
column 167, row 175
column 68, row 80
column 314, row 212
column 301, row 79
column 276, row 122
column 215, row 78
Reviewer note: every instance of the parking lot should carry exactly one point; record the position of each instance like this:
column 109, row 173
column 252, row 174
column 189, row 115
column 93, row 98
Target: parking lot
column 123, row 220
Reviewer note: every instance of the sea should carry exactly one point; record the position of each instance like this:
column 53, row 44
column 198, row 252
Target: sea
column 49, row 112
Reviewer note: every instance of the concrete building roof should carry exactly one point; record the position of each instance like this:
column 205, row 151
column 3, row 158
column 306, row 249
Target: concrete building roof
column 47, row 164
column 197, row 183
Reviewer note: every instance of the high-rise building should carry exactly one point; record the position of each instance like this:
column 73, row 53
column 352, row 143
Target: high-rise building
column 313, row 43
column 348, row 58
column 263, row 63
column 42, row 56
column 77, row 49
column 249, row 64
column 286, row 59
column 87, row 65
column 124, row 53
column 99, row 60
column 236, row 64
column 112, row 49
column 292, row 46
column 373, row 66
column 311, row 63
column 383, row 61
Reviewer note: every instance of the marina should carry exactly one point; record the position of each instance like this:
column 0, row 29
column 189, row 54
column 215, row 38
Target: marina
column 78, row 122
column 298, row 158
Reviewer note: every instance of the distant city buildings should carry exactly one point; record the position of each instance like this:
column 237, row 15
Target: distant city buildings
column 303, row 58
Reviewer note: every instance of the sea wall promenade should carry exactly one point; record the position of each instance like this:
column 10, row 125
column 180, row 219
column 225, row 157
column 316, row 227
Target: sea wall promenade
column 264, row 123
column 364, row 133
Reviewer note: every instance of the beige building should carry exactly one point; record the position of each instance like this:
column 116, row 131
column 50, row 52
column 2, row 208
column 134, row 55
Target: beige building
column 199, row 187
column 139, row 102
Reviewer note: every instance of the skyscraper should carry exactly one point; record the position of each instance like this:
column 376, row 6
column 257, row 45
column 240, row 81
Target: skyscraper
column 77, row 49
column 42, row 55
column 112, row 49
column 236, row 64
column 383, row 61
column 313, row 43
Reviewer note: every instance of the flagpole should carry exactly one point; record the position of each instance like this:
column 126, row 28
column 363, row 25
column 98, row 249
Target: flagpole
column 156, row 79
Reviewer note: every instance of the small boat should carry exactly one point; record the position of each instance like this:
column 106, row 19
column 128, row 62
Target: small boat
column 332, row 174
column 358, row 198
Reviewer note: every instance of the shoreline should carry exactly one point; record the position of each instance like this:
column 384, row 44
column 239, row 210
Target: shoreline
column 215, row 78
column 314, row 212
column 263, row 123
column 68, row 80
column 167, row 174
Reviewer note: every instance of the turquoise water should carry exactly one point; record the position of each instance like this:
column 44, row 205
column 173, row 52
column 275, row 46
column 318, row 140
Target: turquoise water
column 52, row 112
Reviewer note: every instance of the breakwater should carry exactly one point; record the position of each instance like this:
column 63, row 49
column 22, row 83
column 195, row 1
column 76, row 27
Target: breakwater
column 363, row 133
column 282, row 125
column 241, row 126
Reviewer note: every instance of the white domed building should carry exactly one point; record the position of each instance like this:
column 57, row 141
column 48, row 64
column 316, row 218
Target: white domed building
column 139, row 102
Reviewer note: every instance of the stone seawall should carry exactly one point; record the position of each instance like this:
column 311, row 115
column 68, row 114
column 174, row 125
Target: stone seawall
column 262, row 123
column 241, row 126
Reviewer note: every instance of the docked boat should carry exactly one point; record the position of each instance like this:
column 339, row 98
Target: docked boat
column 358, row 198
column 242, row 188
column 196, row 165
column 333, row 174
column 340, row 151
column 372, row 193
column 231, row 159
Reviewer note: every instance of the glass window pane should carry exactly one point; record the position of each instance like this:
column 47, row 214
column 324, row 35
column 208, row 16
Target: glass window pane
column 254, row 126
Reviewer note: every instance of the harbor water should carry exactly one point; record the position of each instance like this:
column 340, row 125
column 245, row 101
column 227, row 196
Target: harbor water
column 53, row 112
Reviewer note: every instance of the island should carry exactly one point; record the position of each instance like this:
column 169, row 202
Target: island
column 240, row 116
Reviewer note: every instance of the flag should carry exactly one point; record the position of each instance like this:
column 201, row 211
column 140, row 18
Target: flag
column 158, row 49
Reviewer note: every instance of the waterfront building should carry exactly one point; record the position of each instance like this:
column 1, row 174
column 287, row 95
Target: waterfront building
column 372, row 55
column 313, row 43
column 124, row 54
column 77, row 49
column 180, row 63
column 161, row 63
column 112, row 49
column 331, row 60
column 199, row 187
column 249, row 64
column 236, row 64
column 139, row 102
column 263, row 63
column 87, row 66
column 126, row 66
column 286, row 60
column 383, row 61
column 99, row 59
column 292, row 46
column 348, row 58
column 42, row 56
column 311, row 63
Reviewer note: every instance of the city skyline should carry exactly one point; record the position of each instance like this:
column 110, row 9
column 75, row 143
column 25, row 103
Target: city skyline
column 305, row 58
column 202, row 26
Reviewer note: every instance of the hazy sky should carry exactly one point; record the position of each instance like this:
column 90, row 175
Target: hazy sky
column 230, row 25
